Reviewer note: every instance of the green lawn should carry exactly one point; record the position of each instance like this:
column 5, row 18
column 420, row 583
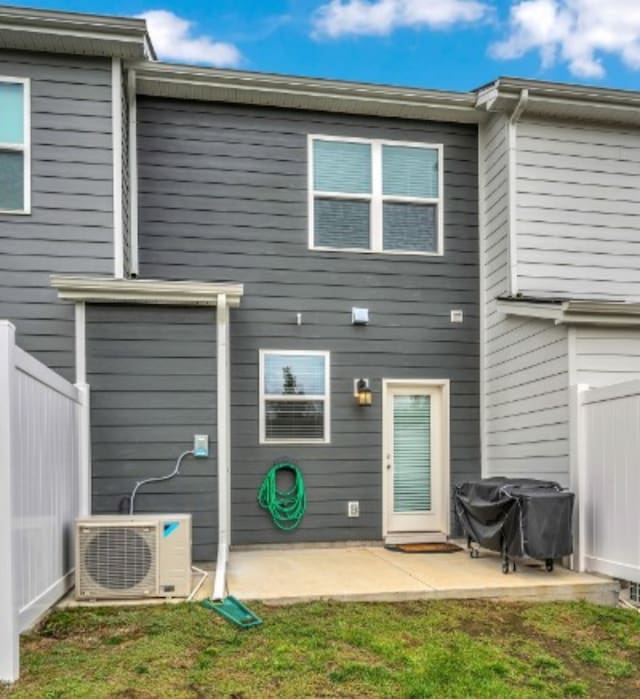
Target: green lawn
column 414, row 649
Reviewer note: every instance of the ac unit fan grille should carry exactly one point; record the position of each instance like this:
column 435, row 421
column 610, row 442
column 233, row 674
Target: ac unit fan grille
column 120, row 561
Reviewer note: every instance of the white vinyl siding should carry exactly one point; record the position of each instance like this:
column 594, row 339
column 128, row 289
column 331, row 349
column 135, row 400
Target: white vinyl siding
column 15, row 145
column 294, row 397
column 525, row 363
column 605, row 356
column 578, row 207
column 375, row 196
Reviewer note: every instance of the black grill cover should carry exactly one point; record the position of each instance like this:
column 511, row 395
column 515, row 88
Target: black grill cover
column 520, row 517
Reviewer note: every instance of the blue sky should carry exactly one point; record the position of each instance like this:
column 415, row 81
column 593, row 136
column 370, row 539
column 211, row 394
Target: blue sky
column 442, row 44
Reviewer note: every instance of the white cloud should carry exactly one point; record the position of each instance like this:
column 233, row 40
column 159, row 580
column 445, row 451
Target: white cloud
column 380, row 17
column 172, row 39
column 577, row 32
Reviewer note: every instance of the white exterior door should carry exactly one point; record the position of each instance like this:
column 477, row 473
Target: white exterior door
column 415, row 458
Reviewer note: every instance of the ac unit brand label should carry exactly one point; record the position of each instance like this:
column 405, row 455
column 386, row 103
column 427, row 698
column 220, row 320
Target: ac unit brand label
column 168, row 528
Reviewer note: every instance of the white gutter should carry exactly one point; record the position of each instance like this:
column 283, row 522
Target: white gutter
column 612, row 313
column 513, row 189
column 224, row 446
column 151, row 291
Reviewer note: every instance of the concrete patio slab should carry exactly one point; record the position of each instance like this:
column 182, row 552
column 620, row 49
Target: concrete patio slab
column 372, row 573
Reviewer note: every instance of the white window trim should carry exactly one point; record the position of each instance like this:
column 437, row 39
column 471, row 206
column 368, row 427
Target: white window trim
column 25, row 148
column 263, row 397
column 376, row 196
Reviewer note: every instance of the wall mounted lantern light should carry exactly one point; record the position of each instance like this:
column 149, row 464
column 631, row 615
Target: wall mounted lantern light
column 363, row 393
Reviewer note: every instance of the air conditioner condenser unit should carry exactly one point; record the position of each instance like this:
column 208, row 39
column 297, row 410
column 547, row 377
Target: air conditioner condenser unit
column 133, row 557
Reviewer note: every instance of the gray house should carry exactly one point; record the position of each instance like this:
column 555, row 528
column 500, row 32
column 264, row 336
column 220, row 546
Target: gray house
column 226, row 253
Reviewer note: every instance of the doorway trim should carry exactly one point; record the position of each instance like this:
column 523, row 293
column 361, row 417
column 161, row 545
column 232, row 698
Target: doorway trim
column 444, row 385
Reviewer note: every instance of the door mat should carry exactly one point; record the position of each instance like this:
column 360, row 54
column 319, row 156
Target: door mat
column 434, row 547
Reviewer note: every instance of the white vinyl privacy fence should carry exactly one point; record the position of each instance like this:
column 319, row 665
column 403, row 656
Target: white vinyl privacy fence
column 39, row 492
column 608, row 476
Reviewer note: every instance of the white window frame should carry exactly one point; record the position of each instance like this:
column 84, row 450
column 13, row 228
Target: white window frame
column 376, row 198
column 326, row 398
column 25, row 147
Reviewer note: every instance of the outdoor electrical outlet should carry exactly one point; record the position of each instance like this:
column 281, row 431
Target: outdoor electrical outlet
column 201, row 445
column 354, row 508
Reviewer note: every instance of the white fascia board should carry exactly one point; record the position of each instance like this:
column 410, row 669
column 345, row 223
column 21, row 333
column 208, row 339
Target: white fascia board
column 188, row 82
column 145, row 291
column 530, row 310
column 575, row 312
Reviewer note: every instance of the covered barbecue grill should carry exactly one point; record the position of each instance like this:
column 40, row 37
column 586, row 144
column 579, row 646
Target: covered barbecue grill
column 518, row 517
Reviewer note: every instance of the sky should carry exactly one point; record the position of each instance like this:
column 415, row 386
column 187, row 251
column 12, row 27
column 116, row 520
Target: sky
column 437, row 44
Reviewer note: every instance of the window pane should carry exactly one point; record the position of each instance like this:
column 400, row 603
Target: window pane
column 410, row 227
column 294, row 419
column 11, row 113
column 339, row 166
column 293, row 374
column 409, row 172
column 11, row 181
column 340, row 223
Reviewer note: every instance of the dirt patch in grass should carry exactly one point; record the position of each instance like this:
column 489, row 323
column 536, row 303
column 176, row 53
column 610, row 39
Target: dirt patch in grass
column 410, row 650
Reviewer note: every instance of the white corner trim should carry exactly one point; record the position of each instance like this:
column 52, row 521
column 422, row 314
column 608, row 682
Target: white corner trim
column 482, row 138
column 133, row 173
column 116, row 147
column 512, row 135
column 152, row 291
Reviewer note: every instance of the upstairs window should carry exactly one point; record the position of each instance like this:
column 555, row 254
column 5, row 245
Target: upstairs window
column 14, row 145
column 375, row 196
column 294, row 397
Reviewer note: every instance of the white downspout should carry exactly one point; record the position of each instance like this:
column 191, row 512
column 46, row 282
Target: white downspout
column 513, row 184
column 84, row 411
column 224, row 446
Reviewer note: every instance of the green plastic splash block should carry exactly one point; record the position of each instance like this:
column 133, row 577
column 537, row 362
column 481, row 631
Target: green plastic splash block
column 234, row 611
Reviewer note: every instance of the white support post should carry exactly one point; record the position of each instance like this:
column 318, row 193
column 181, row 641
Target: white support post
column 9, row 629
column 224, row 445
column 84, row 421
column 577, row 466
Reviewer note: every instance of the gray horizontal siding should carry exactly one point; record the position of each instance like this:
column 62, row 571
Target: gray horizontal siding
column 70, row 228
column 526, row 361
column 152, row 377
column 578, row 210
column 223, row 197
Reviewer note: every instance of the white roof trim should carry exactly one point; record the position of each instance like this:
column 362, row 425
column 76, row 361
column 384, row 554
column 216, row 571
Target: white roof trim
column 576, row 312
column 147, row 291
column 74, row 33
column 158, row 79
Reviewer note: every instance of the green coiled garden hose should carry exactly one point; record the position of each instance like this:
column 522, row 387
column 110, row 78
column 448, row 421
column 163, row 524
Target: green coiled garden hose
column 287, row 507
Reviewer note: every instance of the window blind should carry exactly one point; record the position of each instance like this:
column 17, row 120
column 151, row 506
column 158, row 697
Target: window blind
column 409, row 227
column 342, row 166
column 340, row 223
column 12, row 113
column 412, row 453
column 409, row 172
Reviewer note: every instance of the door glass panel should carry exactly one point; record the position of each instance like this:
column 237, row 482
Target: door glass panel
column 412, row 453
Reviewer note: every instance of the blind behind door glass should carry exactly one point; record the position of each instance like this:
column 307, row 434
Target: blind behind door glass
column 412, row 453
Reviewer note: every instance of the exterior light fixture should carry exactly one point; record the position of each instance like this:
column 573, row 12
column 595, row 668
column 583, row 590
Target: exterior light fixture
column 363, row 393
